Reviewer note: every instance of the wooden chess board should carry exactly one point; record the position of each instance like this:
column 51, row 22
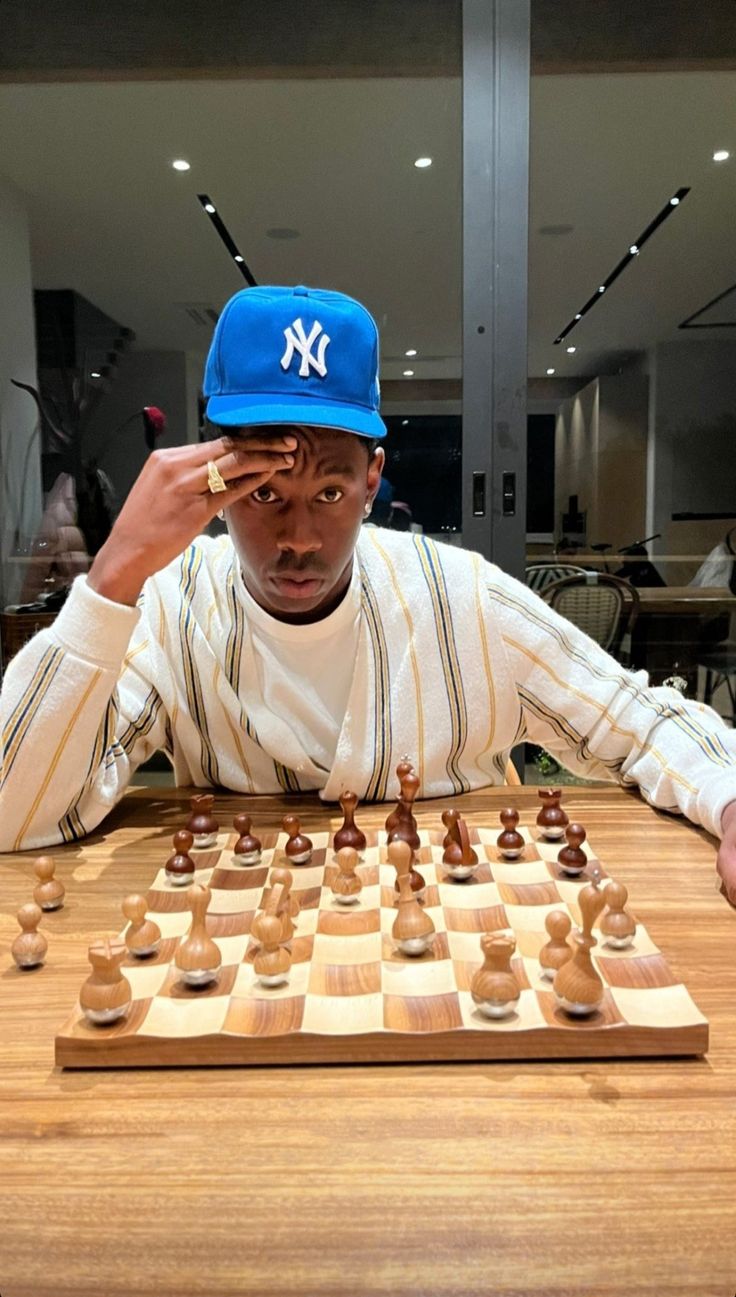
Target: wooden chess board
column 352, row 996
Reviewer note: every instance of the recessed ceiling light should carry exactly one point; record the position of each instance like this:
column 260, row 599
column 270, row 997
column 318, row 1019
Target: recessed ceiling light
column 550, row 371
column 209, row 207
column 408, row 373
column 570, row 350
column 410, row 352
column 181, row 165
column 95, row 374
column 422, row 163
column 579, row 315
column 404, row 422
column 674, row 201
column 237, row 257
column 602, row 288
column 721, row 155
column 634, row 250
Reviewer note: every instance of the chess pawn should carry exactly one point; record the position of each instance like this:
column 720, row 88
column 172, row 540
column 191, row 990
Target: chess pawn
column 29, row 948
column 577, row 985
column 273, row 961
column 198, row 958
column 450, row 818
column 510, row 842
column 572, row 859
column 405, row 829
column 349, row 835
column 247, row 849
column 143, row 936
column 494, row 987
column 557, row 951
column 617, row 925
column 298, row 849
column 459, row 858
column 346, row 886
column 552, row 820
column 106, row 994
column 401, row 856
column 48, row 892
column 413, row 930
column 403, row 768
column 180, row 866
column 201, row 823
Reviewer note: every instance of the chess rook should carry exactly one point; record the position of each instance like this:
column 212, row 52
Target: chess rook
column 48, row 892
column 29, row 948
column 552, row 820
column 201, row 823
column 494, row 987
column 247, row 849
column 105, row 996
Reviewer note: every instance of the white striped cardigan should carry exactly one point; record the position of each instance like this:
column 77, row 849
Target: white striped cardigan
column 456, row 662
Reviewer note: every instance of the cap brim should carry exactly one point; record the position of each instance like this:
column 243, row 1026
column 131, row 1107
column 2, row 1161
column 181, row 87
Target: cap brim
column 256, row 411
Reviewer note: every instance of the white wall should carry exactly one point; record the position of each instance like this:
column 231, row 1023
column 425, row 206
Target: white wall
column 20, row 451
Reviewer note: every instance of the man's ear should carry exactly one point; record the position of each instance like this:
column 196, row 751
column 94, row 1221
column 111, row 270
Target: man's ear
column 375, row 469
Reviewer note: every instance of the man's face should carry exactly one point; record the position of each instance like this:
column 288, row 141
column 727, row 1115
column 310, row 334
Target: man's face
column 295, row 535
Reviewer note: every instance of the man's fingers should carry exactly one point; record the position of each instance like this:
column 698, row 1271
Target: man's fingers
column 192, row 456
column 239, row 463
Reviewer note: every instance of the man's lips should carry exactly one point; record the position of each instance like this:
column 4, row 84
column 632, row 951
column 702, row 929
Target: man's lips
column 298, row 585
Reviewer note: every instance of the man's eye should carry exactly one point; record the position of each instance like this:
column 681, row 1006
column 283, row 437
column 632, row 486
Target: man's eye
column 331, row 495
column 264, row 495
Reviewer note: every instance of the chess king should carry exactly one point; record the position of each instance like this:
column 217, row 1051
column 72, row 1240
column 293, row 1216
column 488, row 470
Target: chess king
column 302, row 650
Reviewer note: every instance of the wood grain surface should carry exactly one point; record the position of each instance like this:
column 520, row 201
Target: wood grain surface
column 563, row 1179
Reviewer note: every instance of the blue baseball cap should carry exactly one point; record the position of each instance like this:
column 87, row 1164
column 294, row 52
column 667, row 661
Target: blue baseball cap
column 294, row 355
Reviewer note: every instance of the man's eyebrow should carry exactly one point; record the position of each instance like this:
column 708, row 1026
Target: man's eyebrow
column 333, row 468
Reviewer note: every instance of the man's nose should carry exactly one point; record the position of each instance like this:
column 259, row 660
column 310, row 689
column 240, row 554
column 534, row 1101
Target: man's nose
column 299, row 531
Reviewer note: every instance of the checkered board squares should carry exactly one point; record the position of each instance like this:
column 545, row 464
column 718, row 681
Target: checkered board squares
column 353, row 996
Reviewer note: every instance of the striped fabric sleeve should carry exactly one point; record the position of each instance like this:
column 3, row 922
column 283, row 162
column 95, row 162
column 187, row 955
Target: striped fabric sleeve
column 603, row 721
column 78, row 713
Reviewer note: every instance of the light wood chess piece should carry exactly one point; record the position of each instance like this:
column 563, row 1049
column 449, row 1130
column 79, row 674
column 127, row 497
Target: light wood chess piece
column 617, row 925
column 557, row 951
column 29, row 948
column 459, row 858
column 201, row 823
column 142, row 936
column 577, row 985
column 495, row 988
column 346, row 885
column 273, row 961
column 48, row 892
column 279, row 900
column 413, row 930
column 198, row 957
column 106, row 995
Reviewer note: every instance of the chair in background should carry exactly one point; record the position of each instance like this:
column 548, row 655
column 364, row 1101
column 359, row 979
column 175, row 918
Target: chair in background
column 539, row 575
column 604, row 607
column 719, row 664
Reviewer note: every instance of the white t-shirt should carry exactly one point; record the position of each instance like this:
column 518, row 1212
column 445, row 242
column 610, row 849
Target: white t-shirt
column 304, row 673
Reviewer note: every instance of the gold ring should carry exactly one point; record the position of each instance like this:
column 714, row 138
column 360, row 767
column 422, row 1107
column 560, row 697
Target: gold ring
column 215, row 480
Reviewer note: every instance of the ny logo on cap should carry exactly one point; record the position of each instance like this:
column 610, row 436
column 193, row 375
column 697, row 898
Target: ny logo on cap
column 297, row 340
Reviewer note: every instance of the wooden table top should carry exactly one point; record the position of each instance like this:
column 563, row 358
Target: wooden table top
column 693, row 600
column 563, row 1179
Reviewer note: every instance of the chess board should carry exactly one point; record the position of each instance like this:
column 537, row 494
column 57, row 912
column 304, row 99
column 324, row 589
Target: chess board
column 353, row 996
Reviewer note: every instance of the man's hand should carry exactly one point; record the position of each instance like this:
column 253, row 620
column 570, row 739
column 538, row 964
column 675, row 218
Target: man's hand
column 170, row 503
column 726, row 862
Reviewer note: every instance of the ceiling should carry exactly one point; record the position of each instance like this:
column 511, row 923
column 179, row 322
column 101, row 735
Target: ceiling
column 334, row 160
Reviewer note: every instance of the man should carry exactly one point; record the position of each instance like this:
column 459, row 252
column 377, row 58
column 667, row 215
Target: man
column 302, row 652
